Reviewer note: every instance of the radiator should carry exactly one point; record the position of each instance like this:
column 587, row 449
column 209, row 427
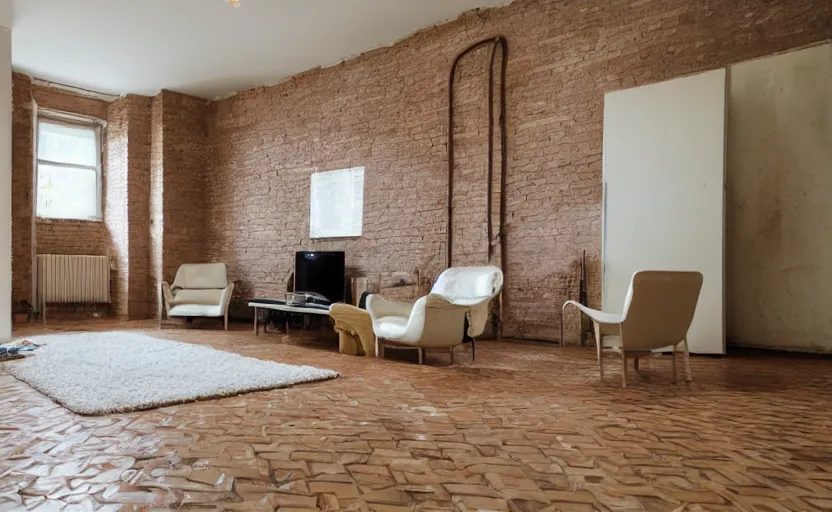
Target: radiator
column 66, row 278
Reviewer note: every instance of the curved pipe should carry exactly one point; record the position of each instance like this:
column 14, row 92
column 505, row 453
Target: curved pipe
column 501, row 43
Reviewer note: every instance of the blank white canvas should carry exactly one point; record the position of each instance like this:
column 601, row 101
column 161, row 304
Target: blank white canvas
column 336, row 203
column 664, row 175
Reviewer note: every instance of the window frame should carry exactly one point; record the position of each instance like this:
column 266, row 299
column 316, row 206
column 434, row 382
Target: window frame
column 77, row 121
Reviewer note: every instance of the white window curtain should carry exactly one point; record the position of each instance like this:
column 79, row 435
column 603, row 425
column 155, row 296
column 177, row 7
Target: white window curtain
column 68, row 171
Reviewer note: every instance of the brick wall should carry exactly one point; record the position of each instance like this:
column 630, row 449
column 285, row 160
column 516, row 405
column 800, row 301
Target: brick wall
column 185, row 149
column 138, row 213
column 156, row 204
column 116, row 201
column 177, row 166
column 66, row 101
column 127, row 214
column 386, row 110
column 22, row 191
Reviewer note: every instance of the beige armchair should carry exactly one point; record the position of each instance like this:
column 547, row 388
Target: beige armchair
column 437, row 321
column 658, row 311
column 198, row 290
column 432, row 322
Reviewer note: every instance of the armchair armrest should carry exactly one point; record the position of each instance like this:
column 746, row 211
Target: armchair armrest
column 379, row 307
column 163, row 299
column 165, row 295
column 594, row 314
column 225, row 299
column 599, row 317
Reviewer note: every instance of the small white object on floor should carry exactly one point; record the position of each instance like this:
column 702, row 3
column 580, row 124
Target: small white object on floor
column 106, row 372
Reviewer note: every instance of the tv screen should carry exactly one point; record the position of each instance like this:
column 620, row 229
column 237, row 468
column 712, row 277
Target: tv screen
column 321, row 272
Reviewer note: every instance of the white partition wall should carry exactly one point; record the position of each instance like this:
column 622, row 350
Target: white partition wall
column 5, row 170
column 664, row 174
column 778, row 221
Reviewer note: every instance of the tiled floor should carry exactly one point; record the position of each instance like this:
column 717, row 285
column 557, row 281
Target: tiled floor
column 526, row 427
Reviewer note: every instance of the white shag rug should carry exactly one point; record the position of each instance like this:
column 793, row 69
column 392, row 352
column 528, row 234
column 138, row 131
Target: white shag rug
column 106, row 372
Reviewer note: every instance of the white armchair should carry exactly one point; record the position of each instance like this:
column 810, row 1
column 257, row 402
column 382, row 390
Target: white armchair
column 437, row 321
column 473, row 288
column 658, row 311
column 198, row 290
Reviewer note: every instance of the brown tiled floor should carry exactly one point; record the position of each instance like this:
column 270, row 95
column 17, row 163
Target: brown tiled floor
column 526, row 427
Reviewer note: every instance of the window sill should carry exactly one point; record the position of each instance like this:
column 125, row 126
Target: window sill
column 47, row 220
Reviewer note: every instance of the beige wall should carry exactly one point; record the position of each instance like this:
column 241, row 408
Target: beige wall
column 779, row 206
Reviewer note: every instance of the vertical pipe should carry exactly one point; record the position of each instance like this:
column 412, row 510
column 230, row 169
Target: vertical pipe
column 502, row 43
column 503, row 174
column 488, row 220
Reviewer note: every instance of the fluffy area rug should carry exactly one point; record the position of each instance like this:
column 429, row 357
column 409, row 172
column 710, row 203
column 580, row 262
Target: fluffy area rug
column 106, row 372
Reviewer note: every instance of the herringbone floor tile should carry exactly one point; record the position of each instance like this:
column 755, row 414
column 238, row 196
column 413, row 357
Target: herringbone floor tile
column 526, row 427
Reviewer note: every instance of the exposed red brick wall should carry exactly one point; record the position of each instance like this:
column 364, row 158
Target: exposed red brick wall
column 386, row 110
column 156, row 204
column 127, row 213
column 185, row 150
column 116, row 201
column 73, row 237
column 138, row 183
column 22, row 191
column 177, row 166
column 65, row 101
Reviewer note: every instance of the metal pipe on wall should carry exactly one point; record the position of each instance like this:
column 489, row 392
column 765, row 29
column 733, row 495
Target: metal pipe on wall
column 501, row 43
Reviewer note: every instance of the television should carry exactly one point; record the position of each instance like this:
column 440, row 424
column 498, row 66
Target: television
column 321, row 272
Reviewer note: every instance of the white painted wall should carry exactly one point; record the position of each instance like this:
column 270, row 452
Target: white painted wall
column 664, row 170
column 779, row 219
column 5, row 170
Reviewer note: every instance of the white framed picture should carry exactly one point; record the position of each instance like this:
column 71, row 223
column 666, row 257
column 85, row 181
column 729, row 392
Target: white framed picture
column 336, row 203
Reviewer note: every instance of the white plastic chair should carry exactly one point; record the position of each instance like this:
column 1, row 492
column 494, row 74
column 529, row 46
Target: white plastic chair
column 658, row 311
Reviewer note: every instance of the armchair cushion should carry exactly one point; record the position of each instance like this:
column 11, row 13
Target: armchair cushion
column 194, row 310
column 201, row 276
column 197, row 296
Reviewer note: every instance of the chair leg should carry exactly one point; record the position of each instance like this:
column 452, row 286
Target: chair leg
column 623, row 369
column 673, row 355
column 688, row 374
column 225, row 320
column 473, row 349
column 421, row 355
column 599, row 349
column 451, row 350
column 635, row 363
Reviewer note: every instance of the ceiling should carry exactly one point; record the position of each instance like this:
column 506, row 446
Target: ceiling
column 206, row 48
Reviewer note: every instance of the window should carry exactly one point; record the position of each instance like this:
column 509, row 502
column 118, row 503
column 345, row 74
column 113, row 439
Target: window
column 68, row 170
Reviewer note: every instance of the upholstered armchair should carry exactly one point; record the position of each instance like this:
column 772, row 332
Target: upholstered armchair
column 198, row 290
column 473, row 288
column 437, row 321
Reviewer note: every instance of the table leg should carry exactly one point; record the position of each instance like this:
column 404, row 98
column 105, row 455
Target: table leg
column 256, row 327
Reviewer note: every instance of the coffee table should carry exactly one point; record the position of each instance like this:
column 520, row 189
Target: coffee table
column 263, row 305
